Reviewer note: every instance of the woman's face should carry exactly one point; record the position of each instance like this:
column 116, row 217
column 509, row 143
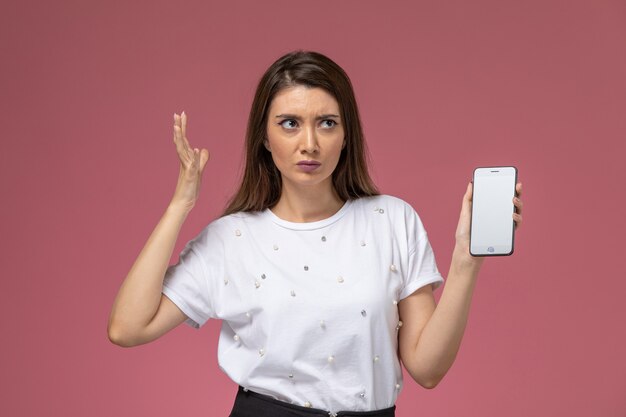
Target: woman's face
column 305, row 136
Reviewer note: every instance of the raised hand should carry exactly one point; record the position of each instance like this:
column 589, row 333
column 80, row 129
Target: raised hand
column 463, row 227
column 192, row 163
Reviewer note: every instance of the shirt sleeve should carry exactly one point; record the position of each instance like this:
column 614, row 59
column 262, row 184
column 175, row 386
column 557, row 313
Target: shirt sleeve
column 422, row 267
column 189, row 282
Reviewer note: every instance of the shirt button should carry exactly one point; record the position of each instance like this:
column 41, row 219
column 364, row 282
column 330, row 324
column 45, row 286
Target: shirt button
column 323, row 238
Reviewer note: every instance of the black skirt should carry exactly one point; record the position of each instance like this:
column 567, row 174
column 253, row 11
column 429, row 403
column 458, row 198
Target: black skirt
column 252, row 404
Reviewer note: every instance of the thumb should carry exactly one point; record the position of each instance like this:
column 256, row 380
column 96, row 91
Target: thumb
column 467, row 198
column 204, row 157
column 469, row 192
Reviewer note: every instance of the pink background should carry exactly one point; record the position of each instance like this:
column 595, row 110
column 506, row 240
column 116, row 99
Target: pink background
column 88, row 166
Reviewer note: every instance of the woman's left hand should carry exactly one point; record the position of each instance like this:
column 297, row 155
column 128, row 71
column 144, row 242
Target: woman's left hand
column 463, row 228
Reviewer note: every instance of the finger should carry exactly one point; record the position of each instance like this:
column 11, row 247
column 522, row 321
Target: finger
column 178, row 126
column 518, row 204
column 518, row 189
column 183, row 118
column 467, row 199
column 469, row 191
column 177, row 142
column 181, row 146
column 517, row 218
column 204, row 157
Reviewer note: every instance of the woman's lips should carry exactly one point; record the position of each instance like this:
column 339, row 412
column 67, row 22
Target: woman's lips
column 308, row 166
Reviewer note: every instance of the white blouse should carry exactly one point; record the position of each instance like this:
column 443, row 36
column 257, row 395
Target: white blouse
column 309, row 310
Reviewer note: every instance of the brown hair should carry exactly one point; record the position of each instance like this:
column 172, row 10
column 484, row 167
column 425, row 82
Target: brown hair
column 261, row 183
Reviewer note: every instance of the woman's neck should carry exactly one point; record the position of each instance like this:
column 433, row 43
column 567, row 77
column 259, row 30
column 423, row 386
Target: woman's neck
column 303, row 205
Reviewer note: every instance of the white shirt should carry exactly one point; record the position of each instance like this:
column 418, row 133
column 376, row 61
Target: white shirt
column 309, row 310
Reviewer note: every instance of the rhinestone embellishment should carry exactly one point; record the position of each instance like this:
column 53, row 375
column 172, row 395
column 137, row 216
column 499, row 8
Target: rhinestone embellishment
column 331, row 359
column 275, row 247
column 362, row 243
column 261, row 352
column 257, row 284
column 363, row 313
column 323, row 238
column 237, row 232
column 381, row 211
column 393, row 268
column 293, row 293
column 307, row 404
column 236, row 337
column 340, row 279
column 263, row 276
column 306, row 267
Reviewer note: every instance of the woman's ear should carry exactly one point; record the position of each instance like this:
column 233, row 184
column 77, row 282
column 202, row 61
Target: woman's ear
column 267, row 145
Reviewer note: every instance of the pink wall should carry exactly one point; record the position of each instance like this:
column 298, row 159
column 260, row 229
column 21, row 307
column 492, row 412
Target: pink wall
column 88, row 166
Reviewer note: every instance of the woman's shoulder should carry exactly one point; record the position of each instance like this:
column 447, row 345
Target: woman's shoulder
column 230, row 224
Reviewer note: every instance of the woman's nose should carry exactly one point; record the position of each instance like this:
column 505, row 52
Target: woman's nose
column 310, row 140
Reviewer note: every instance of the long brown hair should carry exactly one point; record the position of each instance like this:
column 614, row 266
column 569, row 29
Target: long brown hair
column 261, row 184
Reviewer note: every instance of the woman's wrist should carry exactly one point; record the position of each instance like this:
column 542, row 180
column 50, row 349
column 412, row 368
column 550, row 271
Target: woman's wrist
column 178, row 208
column 463, row 260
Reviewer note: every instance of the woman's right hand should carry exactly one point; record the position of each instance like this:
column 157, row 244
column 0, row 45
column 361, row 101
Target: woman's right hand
column 192, row 162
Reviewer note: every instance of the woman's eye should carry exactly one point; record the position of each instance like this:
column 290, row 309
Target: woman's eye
column 328, row 123
column 289, row 124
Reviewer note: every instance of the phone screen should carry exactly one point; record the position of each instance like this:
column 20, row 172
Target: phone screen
column 492, row 227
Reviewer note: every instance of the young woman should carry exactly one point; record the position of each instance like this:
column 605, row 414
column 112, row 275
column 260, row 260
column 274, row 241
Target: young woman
column 322, row 284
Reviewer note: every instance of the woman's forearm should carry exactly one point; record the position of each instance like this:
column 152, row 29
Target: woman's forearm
column 441, row 338
column 140, row 294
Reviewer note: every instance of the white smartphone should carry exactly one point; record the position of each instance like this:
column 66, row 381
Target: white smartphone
column 492, row 228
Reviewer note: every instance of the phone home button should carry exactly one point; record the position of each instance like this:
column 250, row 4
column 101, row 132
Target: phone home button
column 490, row 249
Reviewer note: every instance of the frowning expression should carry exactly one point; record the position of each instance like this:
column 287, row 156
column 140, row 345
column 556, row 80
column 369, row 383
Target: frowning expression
column 305, row 135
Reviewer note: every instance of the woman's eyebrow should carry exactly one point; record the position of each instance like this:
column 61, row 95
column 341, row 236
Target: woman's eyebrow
column 296, row 117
